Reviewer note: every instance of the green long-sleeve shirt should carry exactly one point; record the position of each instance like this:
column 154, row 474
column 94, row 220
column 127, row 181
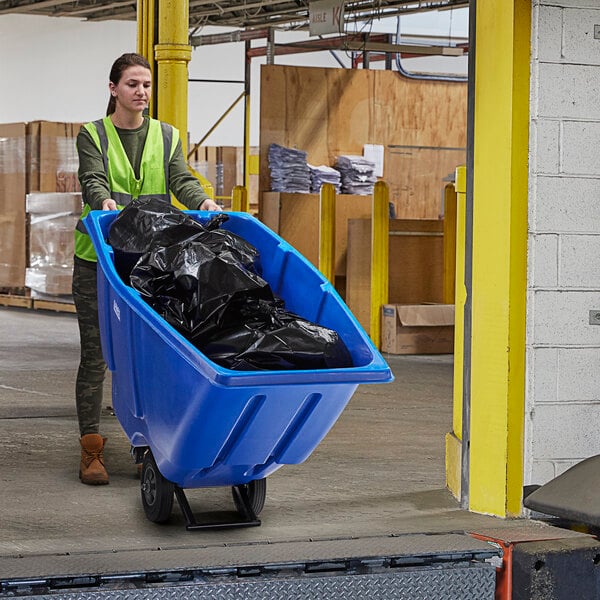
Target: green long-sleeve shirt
column 94, row 181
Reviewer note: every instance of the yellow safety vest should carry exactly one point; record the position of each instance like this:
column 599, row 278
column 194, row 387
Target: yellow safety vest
column 160, row 144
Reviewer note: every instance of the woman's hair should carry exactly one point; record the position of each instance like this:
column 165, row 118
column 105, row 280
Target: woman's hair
column 124, row 61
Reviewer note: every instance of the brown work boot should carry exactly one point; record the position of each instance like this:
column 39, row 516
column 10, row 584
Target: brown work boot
column 91, row 470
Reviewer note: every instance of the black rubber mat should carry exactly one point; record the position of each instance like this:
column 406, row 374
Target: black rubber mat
column 573, row 495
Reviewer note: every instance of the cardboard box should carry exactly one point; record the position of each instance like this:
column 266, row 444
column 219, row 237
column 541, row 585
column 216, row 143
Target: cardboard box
column 52, row 160
column 13, row 256
column 418, row 328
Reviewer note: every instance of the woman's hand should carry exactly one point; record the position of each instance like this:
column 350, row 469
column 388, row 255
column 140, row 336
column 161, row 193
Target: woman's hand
column 209, row 204
column 109, row 204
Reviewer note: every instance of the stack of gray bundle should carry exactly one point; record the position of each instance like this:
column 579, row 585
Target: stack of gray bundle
column 357, row 174
column 289, row 169
column 324, row 174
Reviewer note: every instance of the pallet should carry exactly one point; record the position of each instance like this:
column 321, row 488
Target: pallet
column 55, row 306
column 15, row 301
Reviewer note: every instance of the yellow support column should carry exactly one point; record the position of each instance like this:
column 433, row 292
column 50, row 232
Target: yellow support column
column 499, row 257
column 173, row 53
column 327, row 231
column 380, row 247
column 145, row 37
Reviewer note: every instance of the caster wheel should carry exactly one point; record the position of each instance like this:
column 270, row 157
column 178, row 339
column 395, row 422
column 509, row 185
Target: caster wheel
column 157, row 492
column 257, row 492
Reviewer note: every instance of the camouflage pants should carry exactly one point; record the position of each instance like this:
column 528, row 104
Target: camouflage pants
column 92, row 368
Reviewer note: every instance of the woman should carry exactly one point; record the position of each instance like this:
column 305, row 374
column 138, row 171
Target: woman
column 124, row 156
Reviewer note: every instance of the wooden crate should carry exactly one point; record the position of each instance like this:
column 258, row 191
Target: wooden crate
column 416, row 264
column 295, row 217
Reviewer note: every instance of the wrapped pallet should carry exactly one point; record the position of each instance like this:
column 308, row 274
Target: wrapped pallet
column 39, row 156
column 52, row 220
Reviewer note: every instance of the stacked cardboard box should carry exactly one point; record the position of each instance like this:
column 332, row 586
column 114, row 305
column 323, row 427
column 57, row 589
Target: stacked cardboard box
column 52, row 160
column 12, row 205
column 52, row 219
column 223, row 166
column 39, row 156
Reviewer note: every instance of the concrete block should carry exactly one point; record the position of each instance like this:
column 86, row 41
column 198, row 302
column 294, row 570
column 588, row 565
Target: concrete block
column 577, row 374
column 544, row 374
column 545, row 149
column 542, row 472
column 578, row 136
column 543, row 250
column 577, row 266
column 566, row 431
column 579, row 45
column 549, row 33
column 566, row 204
column 560, row 466
column 569, row 91
column 561, row 318
column 569, row 3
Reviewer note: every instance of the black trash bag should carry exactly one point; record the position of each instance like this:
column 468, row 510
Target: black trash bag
column 149, row 222
column 139, row 225
column 229, row 246
column 205, row 281
column 195, row 289
column 268, row 337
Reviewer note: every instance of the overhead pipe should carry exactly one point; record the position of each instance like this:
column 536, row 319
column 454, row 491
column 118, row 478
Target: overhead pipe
column 421, row 76
column 224, row 38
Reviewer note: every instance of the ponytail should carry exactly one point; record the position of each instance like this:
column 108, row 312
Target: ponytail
column 112, row 105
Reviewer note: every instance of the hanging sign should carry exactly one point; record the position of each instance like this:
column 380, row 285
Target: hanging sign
column 326, row 16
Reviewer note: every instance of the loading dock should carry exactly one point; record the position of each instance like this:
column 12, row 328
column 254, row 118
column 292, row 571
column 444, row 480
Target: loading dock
column 370, row 503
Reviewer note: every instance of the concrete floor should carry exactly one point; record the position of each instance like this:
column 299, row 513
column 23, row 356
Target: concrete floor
column 379, row 472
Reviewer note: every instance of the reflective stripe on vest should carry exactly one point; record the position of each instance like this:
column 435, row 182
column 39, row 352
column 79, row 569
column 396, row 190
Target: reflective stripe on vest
column 160, row 144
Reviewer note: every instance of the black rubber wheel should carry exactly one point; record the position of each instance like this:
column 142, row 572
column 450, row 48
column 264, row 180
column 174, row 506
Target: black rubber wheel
column 257, row 493
column 157, row 492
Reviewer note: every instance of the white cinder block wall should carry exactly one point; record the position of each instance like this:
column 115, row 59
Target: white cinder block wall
column 563, row 349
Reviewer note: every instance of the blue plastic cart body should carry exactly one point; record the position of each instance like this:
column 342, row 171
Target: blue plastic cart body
column 211, row 426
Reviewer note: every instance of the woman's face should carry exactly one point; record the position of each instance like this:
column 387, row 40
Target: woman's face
column 133, row 90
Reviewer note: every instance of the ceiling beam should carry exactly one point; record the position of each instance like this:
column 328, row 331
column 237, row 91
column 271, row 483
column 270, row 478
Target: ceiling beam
column 83, row 10
column 32, row 7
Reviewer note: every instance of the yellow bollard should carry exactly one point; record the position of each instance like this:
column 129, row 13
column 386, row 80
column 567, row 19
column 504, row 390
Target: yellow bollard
column 454, row 438
column 450, row 203
column 327, row 231
column 239, row 199
column 380, row 230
